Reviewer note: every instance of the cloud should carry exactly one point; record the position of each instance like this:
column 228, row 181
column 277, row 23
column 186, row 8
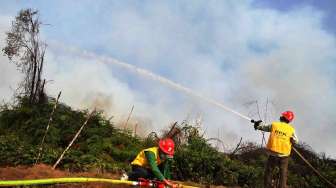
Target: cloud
column 230, row 51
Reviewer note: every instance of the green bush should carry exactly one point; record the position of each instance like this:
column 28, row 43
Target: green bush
column 200, row 162
column 103, row 147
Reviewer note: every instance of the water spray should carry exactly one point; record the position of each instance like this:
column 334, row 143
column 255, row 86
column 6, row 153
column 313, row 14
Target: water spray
column 188, row 91
column 176, row 86
column 153, row 76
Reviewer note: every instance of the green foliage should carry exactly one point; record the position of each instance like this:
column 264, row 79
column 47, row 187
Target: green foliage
column 100, row 146
column 103, row 147
column 15, row 151
column 198, row 161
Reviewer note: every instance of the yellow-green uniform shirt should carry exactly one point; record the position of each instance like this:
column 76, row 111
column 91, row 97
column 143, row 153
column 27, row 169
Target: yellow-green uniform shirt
column 279, row 140
column 150, row 158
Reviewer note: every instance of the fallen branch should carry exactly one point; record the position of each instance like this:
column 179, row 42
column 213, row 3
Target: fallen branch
column 73, row 140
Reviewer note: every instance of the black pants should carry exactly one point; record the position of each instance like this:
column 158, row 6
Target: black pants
column 272, row 162
column 140, row 172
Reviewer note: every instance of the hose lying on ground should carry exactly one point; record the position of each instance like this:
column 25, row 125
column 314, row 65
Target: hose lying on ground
column 13, row 183
column 8, row 183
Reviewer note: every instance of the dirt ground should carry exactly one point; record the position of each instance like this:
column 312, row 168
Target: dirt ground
column 41, row 171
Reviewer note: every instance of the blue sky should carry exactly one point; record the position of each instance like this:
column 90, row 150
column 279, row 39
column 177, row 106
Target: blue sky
column 232, row 51
column 328, row 7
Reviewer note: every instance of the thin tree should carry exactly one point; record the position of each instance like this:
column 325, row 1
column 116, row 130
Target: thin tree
column 47, row 128
column 128, row 118
column 26, row 50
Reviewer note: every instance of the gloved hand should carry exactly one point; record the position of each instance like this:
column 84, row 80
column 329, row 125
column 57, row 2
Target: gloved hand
column 169, row 183
column 293, row 142
column 256, row 123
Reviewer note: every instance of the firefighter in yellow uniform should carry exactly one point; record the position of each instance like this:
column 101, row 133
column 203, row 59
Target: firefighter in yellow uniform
column 279, row 146
column 154, row 163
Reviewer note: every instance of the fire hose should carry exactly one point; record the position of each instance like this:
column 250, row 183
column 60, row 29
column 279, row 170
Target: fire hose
column 50, row 181
column 312, row 167
column 186, row 90
column 295, row 150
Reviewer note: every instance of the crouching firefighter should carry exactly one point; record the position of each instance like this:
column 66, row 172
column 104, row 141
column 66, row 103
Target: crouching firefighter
column 154, row 163
column 279, row 145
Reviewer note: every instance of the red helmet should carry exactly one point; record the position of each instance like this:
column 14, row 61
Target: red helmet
column 167, row 146
column 289, row 115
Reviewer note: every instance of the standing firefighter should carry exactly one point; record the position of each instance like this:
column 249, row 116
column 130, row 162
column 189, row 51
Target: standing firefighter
column 154, row 163
column 279, row 145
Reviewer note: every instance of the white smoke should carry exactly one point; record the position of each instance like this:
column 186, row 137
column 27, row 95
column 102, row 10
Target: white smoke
column 9, row 77
column 228, row 51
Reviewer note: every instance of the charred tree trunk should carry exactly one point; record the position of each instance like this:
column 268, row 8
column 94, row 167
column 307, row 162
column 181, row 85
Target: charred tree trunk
column 27, row 51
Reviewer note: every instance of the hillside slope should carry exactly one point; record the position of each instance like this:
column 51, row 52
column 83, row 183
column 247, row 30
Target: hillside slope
column 102, row 148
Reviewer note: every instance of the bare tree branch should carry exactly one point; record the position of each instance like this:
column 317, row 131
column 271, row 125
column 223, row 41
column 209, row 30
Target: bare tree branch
column 26, row 50
column 237, row 147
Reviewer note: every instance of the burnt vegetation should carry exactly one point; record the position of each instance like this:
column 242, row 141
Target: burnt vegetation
column 26, row 50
